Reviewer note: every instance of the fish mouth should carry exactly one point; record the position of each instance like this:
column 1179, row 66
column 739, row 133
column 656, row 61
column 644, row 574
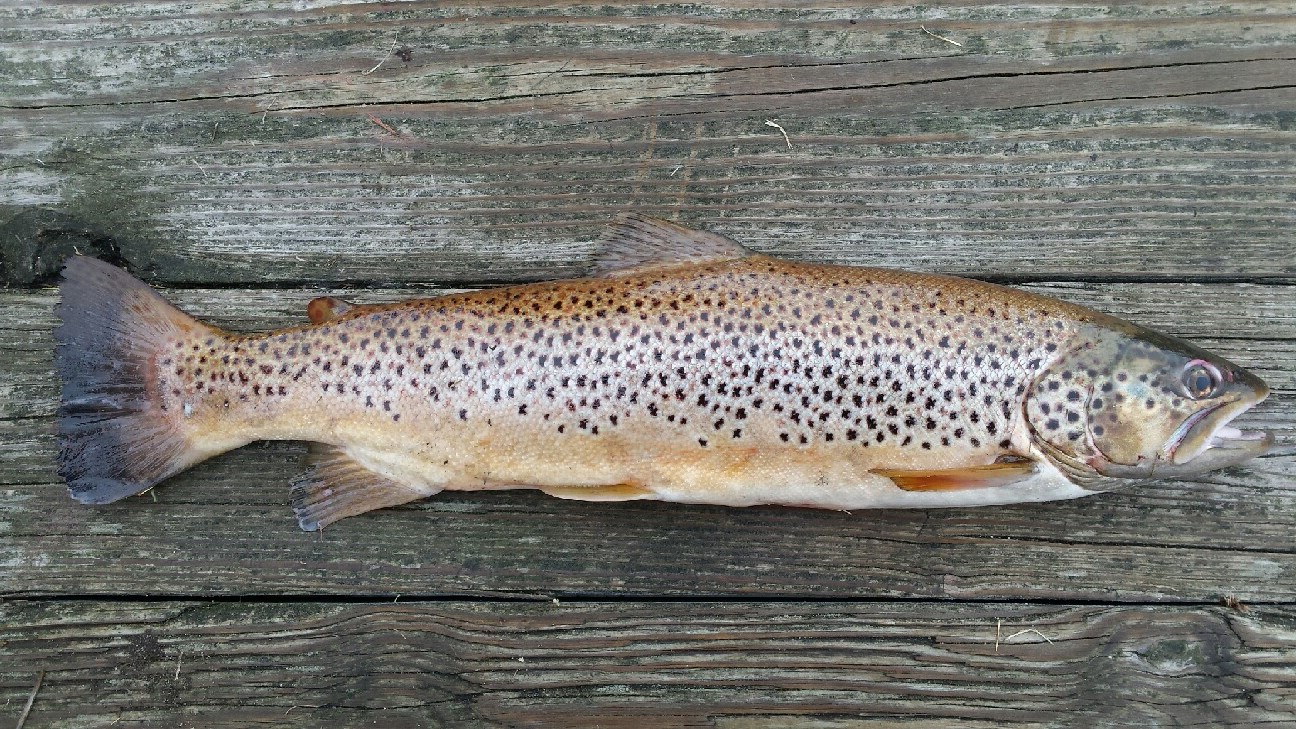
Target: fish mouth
column 1206, row 440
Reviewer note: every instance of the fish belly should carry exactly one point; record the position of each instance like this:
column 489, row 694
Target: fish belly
column 614, row 469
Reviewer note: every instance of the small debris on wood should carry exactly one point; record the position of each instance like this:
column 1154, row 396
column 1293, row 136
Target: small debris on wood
column 383, row 124
column 999, row 632
column 776, row 125
column 31, row 700
column 1029, row 630
column 1233, row 603
column 390, row 51
column 545, row 77
column 941, row 37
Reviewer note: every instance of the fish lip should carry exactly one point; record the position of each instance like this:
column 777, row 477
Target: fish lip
column 1208, row 439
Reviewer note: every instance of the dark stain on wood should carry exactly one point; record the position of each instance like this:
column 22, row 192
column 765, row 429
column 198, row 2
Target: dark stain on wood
column 35, row 242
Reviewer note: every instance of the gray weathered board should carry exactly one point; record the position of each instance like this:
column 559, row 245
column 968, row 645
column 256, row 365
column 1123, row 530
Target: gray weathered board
column 247, row 156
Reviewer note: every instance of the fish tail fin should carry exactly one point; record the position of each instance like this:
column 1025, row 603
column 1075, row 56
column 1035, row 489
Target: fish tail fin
column 116, row 436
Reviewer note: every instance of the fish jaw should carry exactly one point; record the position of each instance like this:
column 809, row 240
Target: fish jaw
column 1211, row 443
column 1209, row 438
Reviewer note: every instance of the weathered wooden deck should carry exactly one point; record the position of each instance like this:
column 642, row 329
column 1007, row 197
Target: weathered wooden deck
column 248, row 156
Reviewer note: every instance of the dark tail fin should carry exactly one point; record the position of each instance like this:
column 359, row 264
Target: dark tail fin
column 115, row 437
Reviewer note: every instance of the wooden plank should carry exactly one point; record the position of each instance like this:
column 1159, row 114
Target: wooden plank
column 223, row 145
column 210, row 529
column 227, row 530
column 336, row 203
column 739, row 666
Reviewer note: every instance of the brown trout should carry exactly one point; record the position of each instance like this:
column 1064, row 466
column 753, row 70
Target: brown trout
column 685, row 369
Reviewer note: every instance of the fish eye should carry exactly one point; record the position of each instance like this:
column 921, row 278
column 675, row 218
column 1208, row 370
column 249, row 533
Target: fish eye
column 1200, row 380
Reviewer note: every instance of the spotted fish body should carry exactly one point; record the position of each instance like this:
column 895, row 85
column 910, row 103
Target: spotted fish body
column 688, row 370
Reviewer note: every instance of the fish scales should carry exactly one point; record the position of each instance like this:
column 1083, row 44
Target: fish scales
column 736, row 379
column 754, row 353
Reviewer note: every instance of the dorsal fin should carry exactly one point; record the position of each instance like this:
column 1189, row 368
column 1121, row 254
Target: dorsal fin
column 638, row 243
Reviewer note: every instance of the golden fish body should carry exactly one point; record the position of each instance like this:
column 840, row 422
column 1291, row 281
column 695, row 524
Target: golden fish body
column 688, row 370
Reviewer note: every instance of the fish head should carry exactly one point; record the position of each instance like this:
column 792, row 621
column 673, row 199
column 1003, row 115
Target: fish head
column 1123, row 402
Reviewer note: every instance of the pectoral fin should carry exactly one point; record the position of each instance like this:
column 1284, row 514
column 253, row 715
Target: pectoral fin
column 616, row 492
column 973, row 477
column 334, row 486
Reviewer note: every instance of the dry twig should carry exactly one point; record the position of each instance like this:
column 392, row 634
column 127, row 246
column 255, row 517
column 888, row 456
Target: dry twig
column 31, row 700
column 384, row 58
column 383, row 124
column 941, row 37
column 776, row 125
column 999, row 632
column 1029, row 630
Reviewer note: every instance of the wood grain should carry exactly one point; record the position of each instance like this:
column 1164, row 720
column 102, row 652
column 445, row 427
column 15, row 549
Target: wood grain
column 224, row 146
column 247, row 156
column 849, row 665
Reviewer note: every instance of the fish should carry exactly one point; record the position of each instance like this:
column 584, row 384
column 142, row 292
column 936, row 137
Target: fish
column 684, row 368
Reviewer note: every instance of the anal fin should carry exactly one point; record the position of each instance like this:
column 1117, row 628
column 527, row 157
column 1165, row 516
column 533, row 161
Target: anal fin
column 615, row 492
column 334, row 486
column 958, row 479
